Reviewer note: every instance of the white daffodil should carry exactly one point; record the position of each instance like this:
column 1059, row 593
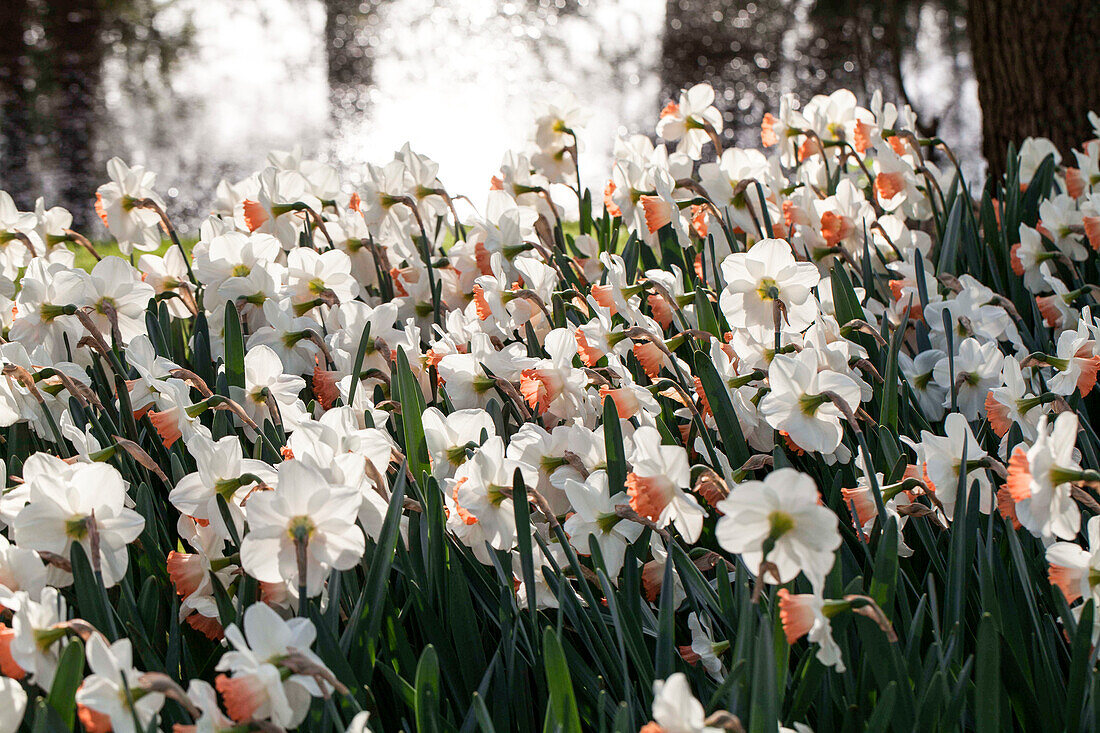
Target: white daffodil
column 113, row 693
column 764, row 279
column 779, row 521
column 804, row 614
column 800, row 401
column 222, row 471
column 262, row 681
column 119, row 205
column 269, row 393
column 36, row 643
column 687, row 120
column 13, row 704
column 594, row 516
column 449, row 436
column 656, row 484
column 67, row 504
column 941, row 459
column 482, row 490
column 676, row 709
column 1040, row 477
column 305, row 520
column 977, row 368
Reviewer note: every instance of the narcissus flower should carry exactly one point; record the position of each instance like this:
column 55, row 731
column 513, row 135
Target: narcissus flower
column 212, row 719
column 1040, row 478
column 269, row 393
column 554, row 385
column 482, row 487
column 657, row 484
column 675, row 708
column 1075, row 571
column 1075, row 361
column 36, row 643
column 118, row 204
column 272, row 673
column 807, row 614
column 594, row 516
column 118, row 298
column 703, row 649
column 66, row 504
column 1012, row 403
column 113, row 694
column 798, row 403
column 763, row 279
column 279, row 206
column 688, row 120
column 779, row 521
column 305, row 524
column 940, row 457
column 222, row 471
column 13, row 703
column 449, row 436
column 288, row 335
column 977, row 368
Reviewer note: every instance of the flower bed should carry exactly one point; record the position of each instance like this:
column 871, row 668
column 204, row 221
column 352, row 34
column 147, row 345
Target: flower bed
column 798, row 436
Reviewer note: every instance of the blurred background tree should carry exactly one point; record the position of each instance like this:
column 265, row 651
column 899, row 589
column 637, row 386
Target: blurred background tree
column 1038, row 68
column 746, row 49
column 51, row 67
column 1037, row 65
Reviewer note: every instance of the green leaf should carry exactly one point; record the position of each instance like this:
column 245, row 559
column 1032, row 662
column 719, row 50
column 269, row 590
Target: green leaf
column 90, row 596
column 763, row 714
column 845, row 300
column 704, row 311
column 880, row 718
column 484, row 721
column 234, row 348
column 561, row 711
column 367, row 614
column 1038, row 188
column 46, row 719
column 666, row 624
column 201, row 359
column 948, row 251
column 586, row 211
column 523, row 531
column 69, row 675
column 226, row 614
column 328, row 649
column 888, row 413
column 886, row 568
column 1080, row 667
column 957, row 572
column 631, row 252
column 613, row 442
column 427, row 691
column 412, row 409
column 729, row 428
column 768, row 229
column 988, row 690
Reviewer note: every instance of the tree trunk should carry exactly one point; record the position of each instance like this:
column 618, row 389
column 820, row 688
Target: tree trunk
column 1038, row 69
column 349, row 34
column 737, row 47
column 15, row 102
column 76, row 50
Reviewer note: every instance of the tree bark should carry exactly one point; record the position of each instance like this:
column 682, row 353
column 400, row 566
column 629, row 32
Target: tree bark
column 735, row 48
column 15, row 102
column 76, row 51
column 1037, row 63
column 349, row 37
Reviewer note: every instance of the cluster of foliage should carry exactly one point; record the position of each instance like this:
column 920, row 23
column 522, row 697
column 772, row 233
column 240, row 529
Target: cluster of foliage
column 798, row 436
